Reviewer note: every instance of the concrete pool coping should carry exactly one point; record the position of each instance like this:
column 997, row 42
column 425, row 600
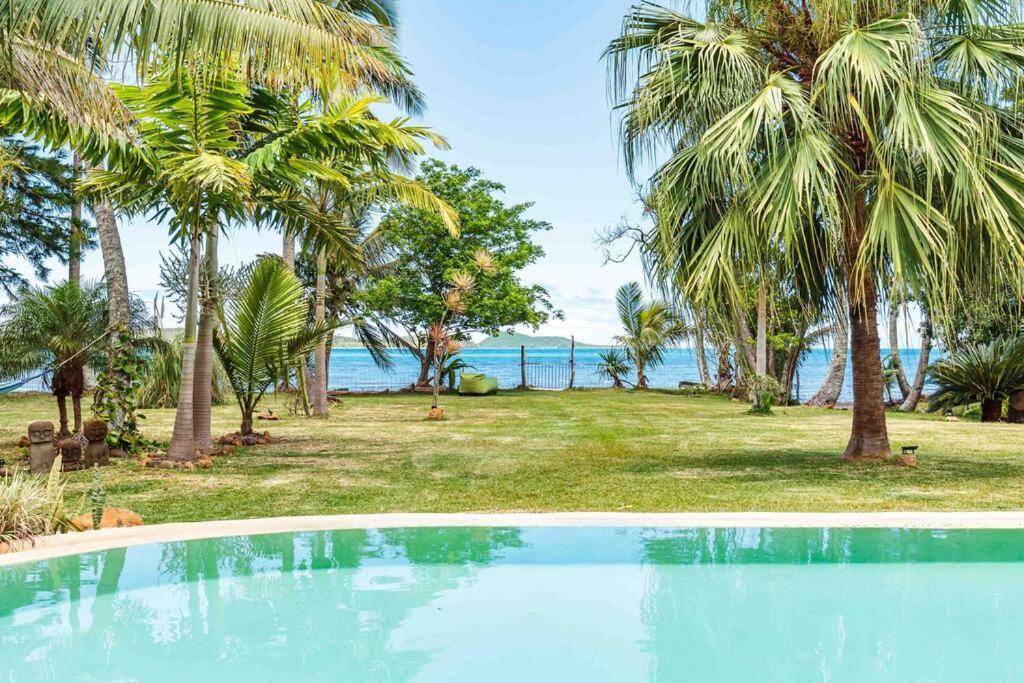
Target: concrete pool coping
column 91, row 541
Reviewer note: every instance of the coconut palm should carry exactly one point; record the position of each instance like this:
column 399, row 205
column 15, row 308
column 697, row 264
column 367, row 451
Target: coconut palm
column 60, row 328
column 51, row 49
column 987, row 374
column 265, row 333
column 861, row 141
column 649, row 328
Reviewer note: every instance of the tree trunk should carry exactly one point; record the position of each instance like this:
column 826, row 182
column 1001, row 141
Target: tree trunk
column 62, row 417
column 202, row 390
column 183, row 446
column 702, row 360
column 245, row 429
column 288, row 251
column 828, row 395
column 75, row 233
column 894, row 349
column 724, row 370
column 869, row 437
column 76, row 412
column 910, row 403
column 1016, row 413
column 641, row 378
column 425, row 363
column 992, row 410
column 319, row 381
column 761, row 355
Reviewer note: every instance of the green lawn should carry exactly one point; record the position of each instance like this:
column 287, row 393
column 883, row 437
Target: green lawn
column 542, row 451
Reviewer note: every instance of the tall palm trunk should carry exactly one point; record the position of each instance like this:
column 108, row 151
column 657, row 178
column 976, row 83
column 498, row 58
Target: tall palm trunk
column 702, row 359
column 869, row 436
column 202, row 391
column 894, row 349
column 641, row 378
column 319, row 380
column 183, row 445
column 761, row 359
column 115, row 272
column 828, row 394
column 75, row 233
column 910, row 403
column 62, row 417
column 288, row 251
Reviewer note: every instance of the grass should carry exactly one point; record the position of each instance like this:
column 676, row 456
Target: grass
column 541, row 451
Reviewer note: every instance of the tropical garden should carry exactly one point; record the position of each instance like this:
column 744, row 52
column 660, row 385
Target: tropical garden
column 807, row 171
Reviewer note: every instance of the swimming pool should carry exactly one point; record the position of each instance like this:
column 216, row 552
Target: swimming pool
column 514, row 604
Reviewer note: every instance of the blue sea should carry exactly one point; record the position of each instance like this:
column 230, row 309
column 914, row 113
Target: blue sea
column 353, row 369
column 548, row 368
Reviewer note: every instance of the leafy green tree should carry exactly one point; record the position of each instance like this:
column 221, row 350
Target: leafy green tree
column 35, row 204
column 425, row 254
column 648, row 329
column 266, row 331
column 863, row 142
column 613, row 366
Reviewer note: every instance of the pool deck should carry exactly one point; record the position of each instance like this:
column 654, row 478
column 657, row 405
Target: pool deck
column 91, row 541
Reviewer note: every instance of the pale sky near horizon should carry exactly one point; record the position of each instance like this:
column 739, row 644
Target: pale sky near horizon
column 519, row 89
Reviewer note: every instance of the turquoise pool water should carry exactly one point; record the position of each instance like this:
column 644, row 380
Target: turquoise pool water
column 533, row 604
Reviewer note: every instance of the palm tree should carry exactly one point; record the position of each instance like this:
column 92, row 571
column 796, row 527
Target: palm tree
column 51, row 49
column 987, row 374
column 265, row 332
column 362, row 171
column 859, row 141
column 613, row 366
column 649, row 328
column 59, row 328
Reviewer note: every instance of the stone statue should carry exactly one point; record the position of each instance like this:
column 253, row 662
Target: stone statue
column 70, row 454
column 41, row 453
column 97, row 452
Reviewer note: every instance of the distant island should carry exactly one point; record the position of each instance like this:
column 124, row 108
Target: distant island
column 515, row 340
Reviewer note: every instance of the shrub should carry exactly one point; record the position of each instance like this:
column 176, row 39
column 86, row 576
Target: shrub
column 31, row 507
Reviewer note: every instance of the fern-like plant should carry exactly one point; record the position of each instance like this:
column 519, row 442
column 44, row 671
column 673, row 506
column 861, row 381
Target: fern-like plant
column 31, row 507
column 265, row 333
column 987, row 374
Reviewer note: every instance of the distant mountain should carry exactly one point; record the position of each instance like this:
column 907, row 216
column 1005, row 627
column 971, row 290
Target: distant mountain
column 515, row 340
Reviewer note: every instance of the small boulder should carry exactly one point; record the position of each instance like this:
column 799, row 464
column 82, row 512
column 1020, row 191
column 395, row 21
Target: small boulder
column 269, row 415
column 203, row 462
column 24, row 442
column 112, row 518
column 119, row 453
column 435, row 414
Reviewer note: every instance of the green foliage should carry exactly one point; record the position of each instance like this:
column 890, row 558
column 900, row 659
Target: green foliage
column 766, row 391
column 425, row 253
column 613, row 366
column 978, row 374
column 266, row 333
column 119, row 391
column 649, row 329
column 97, row 498
column 35, row 203
column 59, row 327
column 161, row 379
column 31, row 506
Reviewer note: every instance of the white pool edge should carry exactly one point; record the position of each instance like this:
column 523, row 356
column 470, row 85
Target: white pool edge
column 105, row 539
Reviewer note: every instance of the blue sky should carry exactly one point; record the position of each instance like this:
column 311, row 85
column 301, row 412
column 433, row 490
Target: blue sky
column 518, row 88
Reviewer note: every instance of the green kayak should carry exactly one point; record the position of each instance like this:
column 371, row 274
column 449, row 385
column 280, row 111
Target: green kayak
column 477, row 384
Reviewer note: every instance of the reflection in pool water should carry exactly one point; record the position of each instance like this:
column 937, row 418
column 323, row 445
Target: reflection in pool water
column 490, row 604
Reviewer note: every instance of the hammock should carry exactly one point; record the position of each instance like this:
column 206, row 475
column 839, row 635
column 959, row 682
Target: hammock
column 7, row 387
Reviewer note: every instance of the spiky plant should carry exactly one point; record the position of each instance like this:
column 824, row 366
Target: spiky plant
column 31, row 507
column 987, row 374
column 613, row 365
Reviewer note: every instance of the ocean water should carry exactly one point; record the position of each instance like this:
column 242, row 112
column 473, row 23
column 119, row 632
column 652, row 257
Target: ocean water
column 526, row 604
column 548, row 368
column 354, row 369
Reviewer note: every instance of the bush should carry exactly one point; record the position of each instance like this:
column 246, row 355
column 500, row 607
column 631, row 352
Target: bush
column 163, row 377
column 31, row 507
